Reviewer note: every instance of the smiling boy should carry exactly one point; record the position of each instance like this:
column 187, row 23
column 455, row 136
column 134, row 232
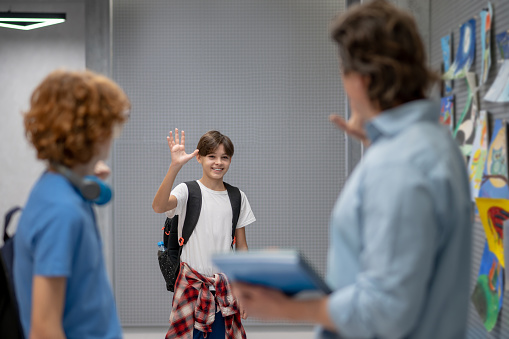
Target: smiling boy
column 213, row 232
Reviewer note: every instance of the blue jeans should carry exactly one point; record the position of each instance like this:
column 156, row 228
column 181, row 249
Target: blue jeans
column 218, row 329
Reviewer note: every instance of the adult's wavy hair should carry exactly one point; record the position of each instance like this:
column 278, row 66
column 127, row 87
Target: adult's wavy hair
column 381, row 41
column 211, row 140
column 71, row 113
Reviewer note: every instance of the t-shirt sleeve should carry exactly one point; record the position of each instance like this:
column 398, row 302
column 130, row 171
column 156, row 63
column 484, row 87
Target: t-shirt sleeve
column 55, row 244
column 181, row 193
column 246, row 216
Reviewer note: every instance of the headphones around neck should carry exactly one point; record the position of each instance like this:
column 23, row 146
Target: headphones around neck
column 90, row 187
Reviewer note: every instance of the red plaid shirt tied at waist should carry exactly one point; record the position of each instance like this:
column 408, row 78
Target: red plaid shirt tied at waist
column 194, row 305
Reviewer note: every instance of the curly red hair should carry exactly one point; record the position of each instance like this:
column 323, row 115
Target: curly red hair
column 71, row 113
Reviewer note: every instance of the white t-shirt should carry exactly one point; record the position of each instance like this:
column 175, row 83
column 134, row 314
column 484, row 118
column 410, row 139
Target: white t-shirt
column 213, row 232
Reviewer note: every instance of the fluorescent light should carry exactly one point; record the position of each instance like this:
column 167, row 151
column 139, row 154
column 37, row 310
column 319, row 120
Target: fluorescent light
column 28, row 21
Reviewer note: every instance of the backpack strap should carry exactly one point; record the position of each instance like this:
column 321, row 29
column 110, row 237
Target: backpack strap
column 10, row 325
column 235, row 201
column 169, row 231
column 7, row 220
column 193, row 210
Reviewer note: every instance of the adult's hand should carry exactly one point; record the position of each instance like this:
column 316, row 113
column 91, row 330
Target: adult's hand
column 270, row 304
column 354, row 127
column 261, row 302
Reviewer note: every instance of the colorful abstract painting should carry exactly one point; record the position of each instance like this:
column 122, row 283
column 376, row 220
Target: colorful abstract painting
column 477, row 158
column 447, row 111
column 486, row 15
column 499, row 90
column 464, row 132
column 488, row 294
column 465, row 54
column 447, row 58
column 493, row 213
column 494, row 180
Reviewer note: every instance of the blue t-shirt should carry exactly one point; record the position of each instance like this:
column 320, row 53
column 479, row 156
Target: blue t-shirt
column 57, row 236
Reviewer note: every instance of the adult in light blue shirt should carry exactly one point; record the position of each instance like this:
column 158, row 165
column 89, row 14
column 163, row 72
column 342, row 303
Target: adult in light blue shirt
column 399, row 257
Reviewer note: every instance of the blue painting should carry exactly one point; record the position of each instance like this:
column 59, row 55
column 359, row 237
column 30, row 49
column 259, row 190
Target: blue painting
column 503, row 44
column 466, row 52
column 447, row 58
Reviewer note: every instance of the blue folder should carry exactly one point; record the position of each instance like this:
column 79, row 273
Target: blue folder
column 283, row 270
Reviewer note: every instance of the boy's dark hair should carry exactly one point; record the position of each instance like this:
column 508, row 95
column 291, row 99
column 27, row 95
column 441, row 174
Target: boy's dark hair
column 381, row 41
column 211, row 140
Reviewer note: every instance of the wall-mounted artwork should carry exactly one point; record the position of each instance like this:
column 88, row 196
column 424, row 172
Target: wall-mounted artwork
column 493, row 213
column 447, row 111
column 477, row 158
column 447, row 58
column 465, row 54
column 486, row 15
column 488, row 294
column 499, row 90
column 464, row 132
column 503, row 44
column 494, row 180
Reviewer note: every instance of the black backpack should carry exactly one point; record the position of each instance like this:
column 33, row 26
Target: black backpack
column 169, row 260
column 10, row 325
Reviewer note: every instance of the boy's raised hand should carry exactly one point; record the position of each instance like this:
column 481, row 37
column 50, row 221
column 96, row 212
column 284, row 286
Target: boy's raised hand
column 177, row 149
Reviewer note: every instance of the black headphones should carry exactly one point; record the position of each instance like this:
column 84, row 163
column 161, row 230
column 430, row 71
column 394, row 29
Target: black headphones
column 89, row 189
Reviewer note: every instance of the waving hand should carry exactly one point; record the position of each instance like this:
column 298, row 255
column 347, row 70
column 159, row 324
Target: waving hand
column 163, row 200
column 354, row 127
column 177, row 149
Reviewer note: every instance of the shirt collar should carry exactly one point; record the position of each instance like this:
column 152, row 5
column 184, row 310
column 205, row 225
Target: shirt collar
column 397, row 119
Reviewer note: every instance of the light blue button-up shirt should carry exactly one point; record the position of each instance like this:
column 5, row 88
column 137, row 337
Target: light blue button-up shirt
column 399, row 259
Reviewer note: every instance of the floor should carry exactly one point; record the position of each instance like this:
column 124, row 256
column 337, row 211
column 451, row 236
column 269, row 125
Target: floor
column 253, row 332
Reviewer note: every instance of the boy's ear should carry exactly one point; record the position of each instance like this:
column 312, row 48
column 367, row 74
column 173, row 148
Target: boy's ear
column 198, row 158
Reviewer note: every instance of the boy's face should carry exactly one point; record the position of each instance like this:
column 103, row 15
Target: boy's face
column 215, row 164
